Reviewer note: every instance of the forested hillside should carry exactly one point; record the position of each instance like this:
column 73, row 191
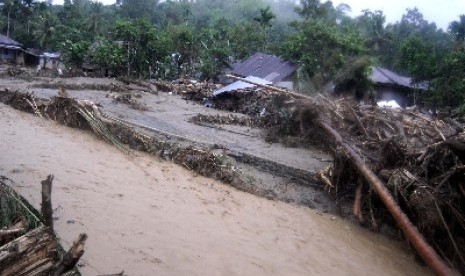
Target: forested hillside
column 198, row 38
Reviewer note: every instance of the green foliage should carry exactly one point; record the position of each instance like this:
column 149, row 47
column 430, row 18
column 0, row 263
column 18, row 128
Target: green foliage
column 75, row 52
column 244, row 40
column 418, row 57
column 215, row 51
column 449, row 85
column 322, row 50
column 461, row 110
column 137, row 9
column 173, row 38
column 371, row 25
column 265, row 17
column 457, row 29
column 354, row 76
column 144, row 46
column 109, row 55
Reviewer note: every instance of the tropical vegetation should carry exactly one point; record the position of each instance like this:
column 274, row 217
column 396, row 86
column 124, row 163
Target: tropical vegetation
column 199, row 38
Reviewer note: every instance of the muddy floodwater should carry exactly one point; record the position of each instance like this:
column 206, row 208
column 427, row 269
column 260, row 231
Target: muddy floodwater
column 150, row 217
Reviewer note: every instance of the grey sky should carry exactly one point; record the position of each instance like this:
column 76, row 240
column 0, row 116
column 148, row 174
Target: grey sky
column 440, row 12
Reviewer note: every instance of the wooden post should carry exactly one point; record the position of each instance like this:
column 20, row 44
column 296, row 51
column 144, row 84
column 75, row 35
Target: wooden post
column 47, row 211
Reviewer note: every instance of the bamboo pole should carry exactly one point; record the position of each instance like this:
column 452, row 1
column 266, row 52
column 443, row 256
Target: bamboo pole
column 410, row 231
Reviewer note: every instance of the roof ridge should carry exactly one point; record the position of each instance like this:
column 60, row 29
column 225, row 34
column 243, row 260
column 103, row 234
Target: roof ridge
column 384, row 73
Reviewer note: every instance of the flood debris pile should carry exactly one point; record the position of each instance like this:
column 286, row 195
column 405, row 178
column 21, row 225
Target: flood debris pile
column 190, row 89
column 249, row 101
column 86, row 115
column 128, row 99
column 281, row 116
column 201, row 161
column 226, row 120
column 61, row 108
column 420, row 160
column 16, row 215
column 114, row 87
column 27, row 246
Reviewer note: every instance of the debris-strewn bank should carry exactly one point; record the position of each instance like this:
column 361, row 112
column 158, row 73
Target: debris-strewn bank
column 199, row 225
column 86, row 115
column 299, row 117
column 419, row 157
column 28, row 246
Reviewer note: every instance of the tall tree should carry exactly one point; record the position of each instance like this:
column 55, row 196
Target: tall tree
column 457, row 29
column 322, row 50
column 372, row 27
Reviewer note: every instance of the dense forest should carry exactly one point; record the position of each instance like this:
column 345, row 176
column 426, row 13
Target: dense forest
column 198, row 38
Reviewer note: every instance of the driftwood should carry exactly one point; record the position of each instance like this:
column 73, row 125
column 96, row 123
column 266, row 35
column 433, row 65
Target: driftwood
column 34, row 253
column 47, row 211
column 423, row 248
column 7, row 234
column 72, row 256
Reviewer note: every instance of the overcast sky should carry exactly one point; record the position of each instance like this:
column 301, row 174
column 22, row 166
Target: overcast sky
column 440, row 12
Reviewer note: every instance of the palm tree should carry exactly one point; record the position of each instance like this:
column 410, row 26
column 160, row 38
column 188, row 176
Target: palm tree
column 95, row 20
column 45, row 29
column 9, row 7
column 375, row 33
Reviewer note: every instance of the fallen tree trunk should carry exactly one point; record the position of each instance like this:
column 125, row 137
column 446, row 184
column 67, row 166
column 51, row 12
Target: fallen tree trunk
column 410, row 231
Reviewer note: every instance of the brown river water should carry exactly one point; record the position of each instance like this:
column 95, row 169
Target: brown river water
column 145, row 216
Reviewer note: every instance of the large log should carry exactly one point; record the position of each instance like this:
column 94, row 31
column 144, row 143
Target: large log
column 428, row 254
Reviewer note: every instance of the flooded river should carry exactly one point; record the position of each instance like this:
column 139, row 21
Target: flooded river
column 150, row 217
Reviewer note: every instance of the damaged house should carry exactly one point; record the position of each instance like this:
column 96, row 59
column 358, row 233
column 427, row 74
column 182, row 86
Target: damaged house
column 266, row 69
column 390, row 86
column 42, row 60
column 10, row 51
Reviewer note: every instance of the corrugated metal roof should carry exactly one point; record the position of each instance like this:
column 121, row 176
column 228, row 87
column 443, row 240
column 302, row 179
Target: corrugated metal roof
column 238, row 85
column 385, row 76
column 34, row 52
column 9, row 43
column 268, row 67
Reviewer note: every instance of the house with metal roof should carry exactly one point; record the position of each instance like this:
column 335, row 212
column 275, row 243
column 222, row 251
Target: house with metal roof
column 10, row 50
column 265, row 69
column 268, row 67
column 390, row 86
